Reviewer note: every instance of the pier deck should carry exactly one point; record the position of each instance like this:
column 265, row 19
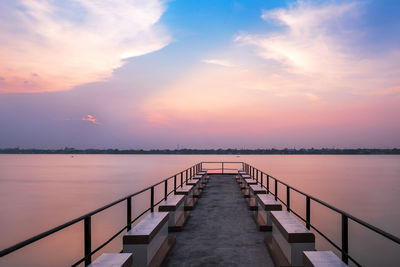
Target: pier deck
column 220, row 230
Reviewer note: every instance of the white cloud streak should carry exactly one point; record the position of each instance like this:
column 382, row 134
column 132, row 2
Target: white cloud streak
column 77, row 42
column 316, row 45
column 219, row 62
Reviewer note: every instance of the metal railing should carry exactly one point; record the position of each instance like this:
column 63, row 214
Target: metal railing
column 87, row 222
column 262, row 178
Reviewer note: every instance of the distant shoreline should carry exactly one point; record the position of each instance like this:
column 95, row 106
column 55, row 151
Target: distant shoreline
column 302, row 151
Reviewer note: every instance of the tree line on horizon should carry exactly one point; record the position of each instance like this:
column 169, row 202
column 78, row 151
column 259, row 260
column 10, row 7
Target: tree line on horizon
column 229, row 151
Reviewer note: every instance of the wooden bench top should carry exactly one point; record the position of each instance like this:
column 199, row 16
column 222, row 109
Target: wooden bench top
column 171, row 203
column 184, row 190
column 246, row 176
column 257, row 189
column 321, row 259
column 250, row 181
column 146, row 229
column 202, row 172
column 267, row 202
column 291, row 228
column 113, row 259
column 192, row 181
column 197, row 176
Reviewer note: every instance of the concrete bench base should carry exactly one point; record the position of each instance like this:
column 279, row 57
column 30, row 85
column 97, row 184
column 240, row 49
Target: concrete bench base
column 252, row 203
column 180, row 223
column 162, row 252
column 275, row 251
column 260, row 222
column 246, row 193
column 190, row 204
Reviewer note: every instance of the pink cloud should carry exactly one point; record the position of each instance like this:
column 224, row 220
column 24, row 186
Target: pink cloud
column 91, row 119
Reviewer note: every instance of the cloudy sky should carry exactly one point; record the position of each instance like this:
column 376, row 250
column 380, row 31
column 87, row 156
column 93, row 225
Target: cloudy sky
column 199, row 74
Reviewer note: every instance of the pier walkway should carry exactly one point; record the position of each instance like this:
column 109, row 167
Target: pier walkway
column 220, row 230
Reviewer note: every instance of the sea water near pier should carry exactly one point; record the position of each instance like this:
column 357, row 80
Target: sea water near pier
column 38, row 192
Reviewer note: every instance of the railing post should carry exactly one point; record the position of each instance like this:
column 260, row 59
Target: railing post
column 186, row 175
column 261, row 178
column 222, row 168
column 190, row 172
column 288, row 198
column 88, row 240
column 174, row 184
column 181, row 179
column 345, row 238
column 267, row 183
column 152, row 199
column 128, row 213
column 276, row 189
column 165, row 189
column 257, row 177
column 308, row 213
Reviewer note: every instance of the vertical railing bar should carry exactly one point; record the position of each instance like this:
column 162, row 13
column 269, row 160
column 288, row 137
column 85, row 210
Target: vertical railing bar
column 152, row 199
column 165, row 189
column 181, row 179
column 261, row 178
column 88, row 239
column 174, row 184
column 129, row 213
column 267, row 184
column 276, row 189
column 186, row 175
column 257, row 177
column 222, row 167
column 345, row 239
column 288, row 198
column 308, row 213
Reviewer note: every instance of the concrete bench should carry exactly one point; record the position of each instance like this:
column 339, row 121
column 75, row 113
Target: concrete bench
column 187, row 191
column 254, row 190
column 246, row 187
column 177, row 215
column 148, row 241
column 250, row 181
column 196, row 187
column 288, row 240
column 265, row 204
column 321, row 259
column 246, row 176
column 113, row 260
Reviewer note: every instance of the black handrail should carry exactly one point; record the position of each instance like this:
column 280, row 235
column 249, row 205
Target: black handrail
column 345, row 216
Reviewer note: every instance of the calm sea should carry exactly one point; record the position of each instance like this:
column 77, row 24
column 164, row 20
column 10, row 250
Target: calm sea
column 38, row 192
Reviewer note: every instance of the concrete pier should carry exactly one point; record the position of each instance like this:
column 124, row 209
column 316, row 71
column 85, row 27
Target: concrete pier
column 220, row 230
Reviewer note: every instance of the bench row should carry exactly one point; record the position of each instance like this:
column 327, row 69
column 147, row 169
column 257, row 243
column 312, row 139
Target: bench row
column 148, row 242
column 289, row 242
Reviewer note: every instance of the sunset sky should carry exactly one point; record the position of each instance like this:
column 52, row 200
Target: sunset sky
column 199, row 74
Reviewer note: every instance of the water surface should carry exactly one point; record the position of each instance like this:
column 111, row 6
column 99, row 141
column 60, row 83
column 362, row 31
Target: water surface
column 38, row 192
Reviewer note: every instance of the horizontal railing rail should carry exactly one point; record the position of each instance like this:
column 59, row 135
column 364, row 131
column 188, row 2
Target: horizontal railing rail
column 179, row 179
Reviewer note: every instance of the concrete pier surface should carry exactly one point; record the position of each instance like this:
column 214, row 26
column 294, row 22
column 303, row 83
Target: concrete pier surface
column 220, row 230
